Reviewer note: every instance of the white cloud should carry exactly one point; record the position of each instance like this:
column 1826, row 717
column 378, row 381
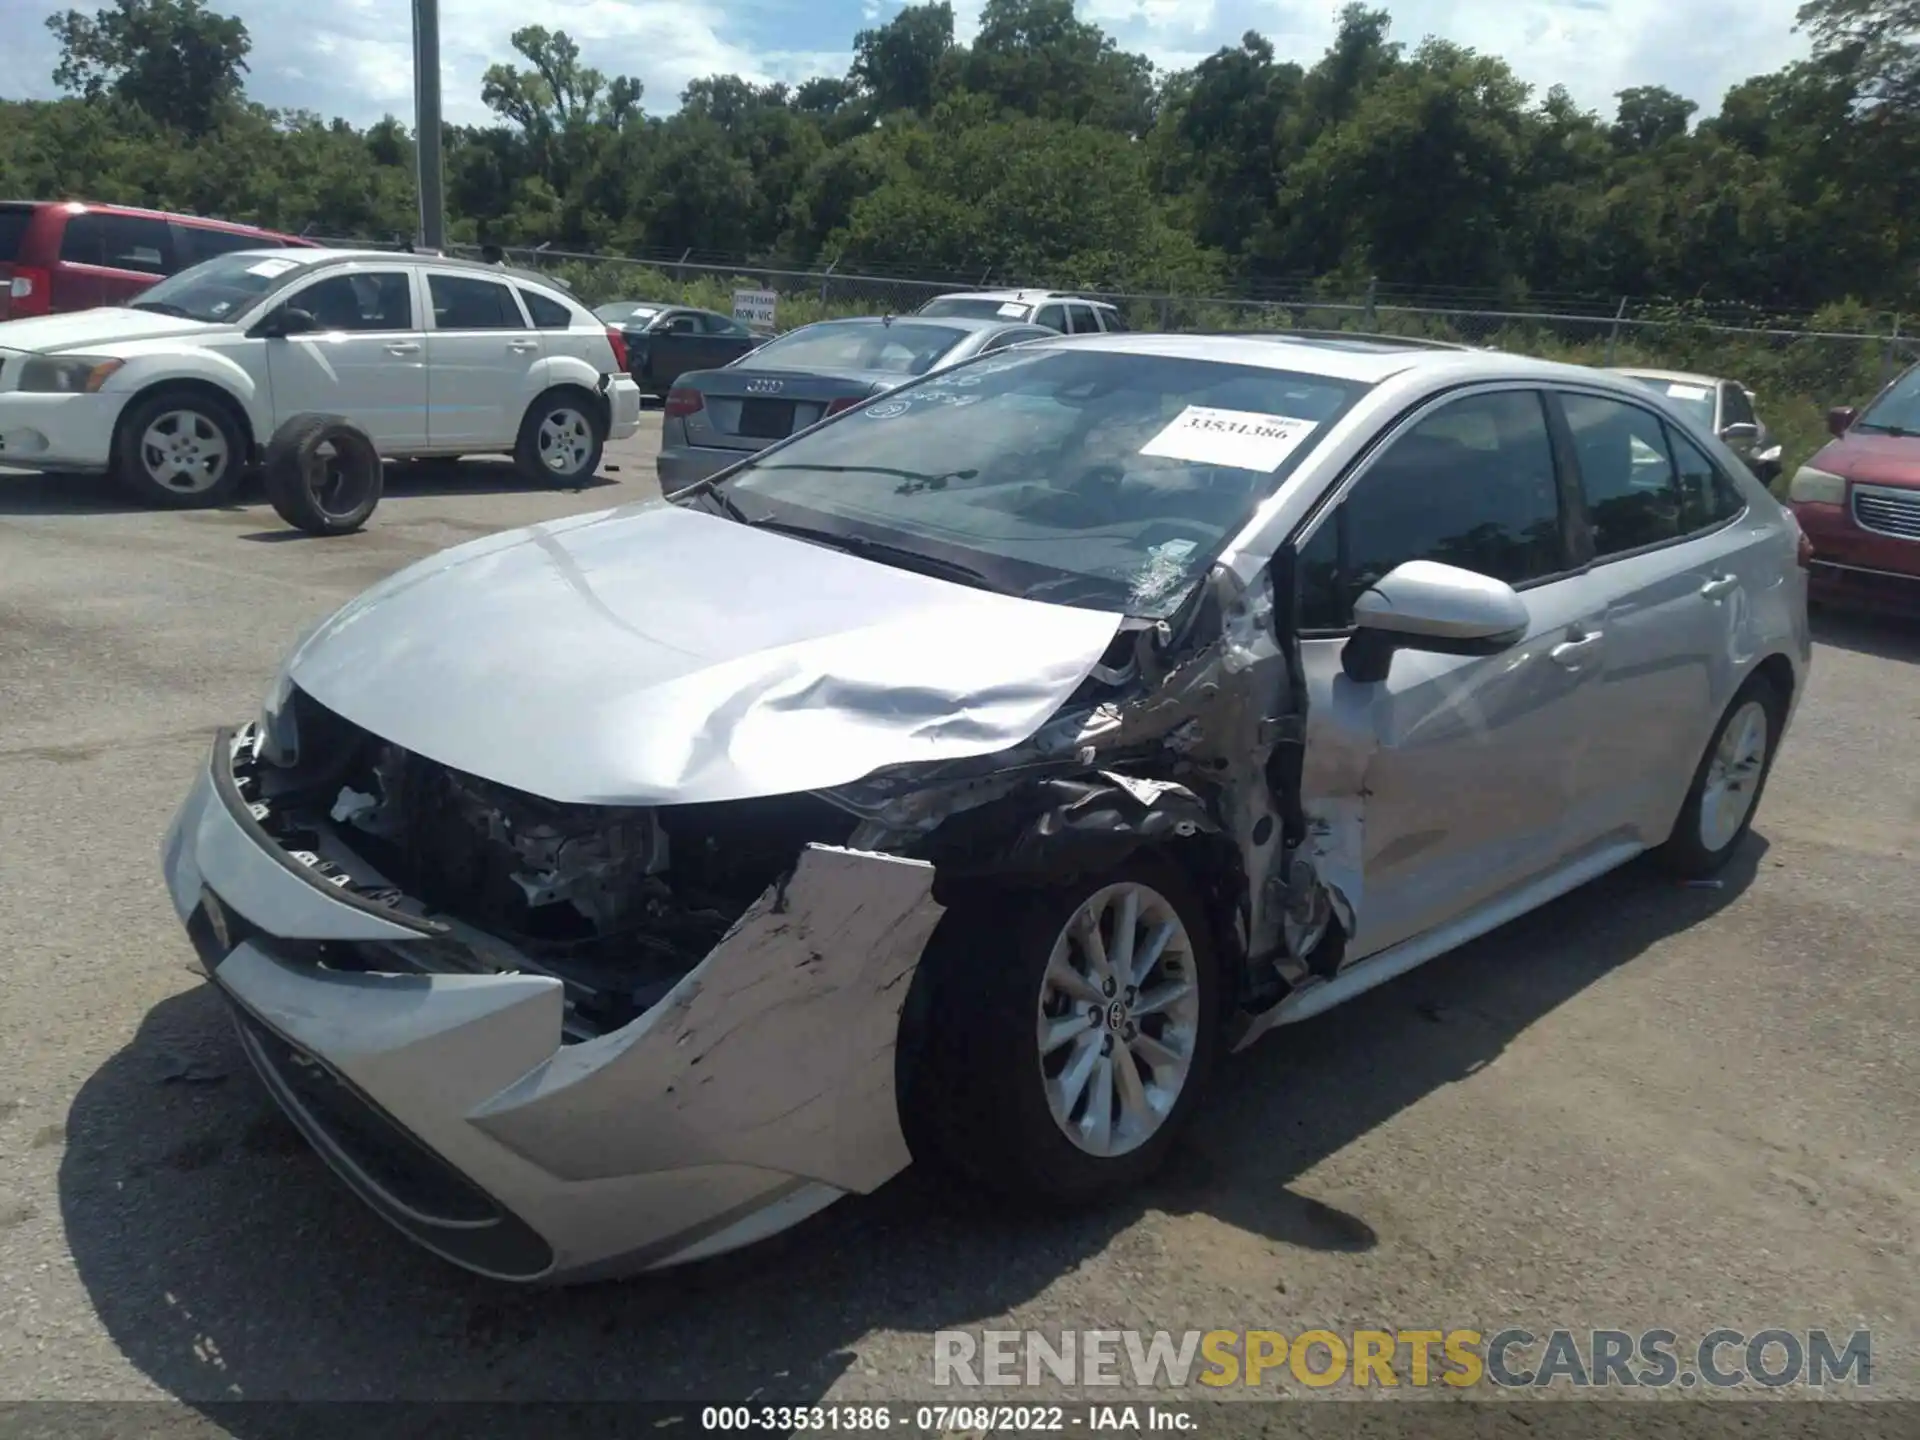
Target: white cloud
column 353, row 57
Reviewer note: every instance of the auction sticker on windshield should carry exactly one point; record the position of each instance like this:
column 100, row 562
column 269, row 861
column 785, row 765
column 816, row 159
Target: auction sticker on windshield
column 1239, row 438
column 269, row 269
column 1687, row 392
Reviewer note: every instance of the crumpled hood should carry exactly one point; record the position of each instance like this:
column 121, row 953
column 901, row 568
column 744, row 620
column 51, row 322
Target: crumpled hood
column 92, row 330
column 658, row 655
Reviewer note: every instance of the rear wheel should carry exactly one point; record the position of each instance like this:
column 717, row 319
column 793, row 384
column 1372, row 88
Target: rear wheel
column 1720, row 804
column 561, row 439
column 1068, row 1035
column 180, row 450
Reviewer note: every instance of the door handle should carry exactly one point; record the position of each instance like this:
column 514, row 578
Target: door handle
column 522, row 346
column 403, row 347
column 1720, row 585
column 1574, row 653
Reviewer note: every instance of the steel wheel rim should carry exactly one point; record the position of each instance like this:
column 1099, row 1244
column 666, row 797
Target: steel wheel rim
column 566, row 440
column 1118, row 1019
column 328, row 480
column 184, row 451
column 1733, row 776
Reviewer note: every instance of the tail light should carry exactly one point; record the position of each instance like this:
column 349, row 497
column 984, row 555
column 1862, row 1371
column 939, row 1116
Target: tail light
column 31, row 291
column 845, row 402
column 619, row 343
column 682, row 402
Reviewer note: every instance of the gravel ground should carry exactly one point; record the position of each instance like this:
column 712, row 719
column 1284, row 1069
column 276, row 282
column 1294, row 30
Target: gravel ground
column 1644, row 1106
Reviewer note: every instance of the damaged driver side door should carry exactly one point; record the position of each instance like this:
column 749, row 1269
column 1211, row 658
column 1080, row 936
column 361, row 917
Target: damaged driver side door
column 1449, row 782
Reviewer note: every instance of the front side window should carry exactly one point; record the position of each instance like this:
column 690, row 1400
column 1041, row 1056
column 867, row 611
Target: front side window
column 1626, row 477
column 1072, row 476
column 1473, row 485
column 681, row 324
column 1080, row 317
column 118, row 242
column 217, row 291
column 1735, row 408
column 461, row 302
column 900, row 348
column 1054, row 317
column 1707, row 497
column 370, row 301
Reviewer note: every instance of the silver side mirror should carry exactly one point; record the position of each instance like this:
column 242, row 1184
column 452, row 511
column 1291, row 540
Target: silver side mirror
column 1424, row 605
column 1740, row 433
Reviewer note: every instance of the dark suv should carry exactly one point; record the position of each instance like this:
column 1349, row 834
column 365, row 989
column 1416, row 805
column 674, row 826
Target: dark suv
column 59, row 255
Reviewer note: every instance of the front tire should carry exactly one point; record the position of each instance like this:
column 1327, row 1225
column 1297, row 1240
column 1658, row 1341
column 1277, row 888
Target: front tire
column 179, row 450
column 561, row 439
column 1725, row 794
column 1069, row 1034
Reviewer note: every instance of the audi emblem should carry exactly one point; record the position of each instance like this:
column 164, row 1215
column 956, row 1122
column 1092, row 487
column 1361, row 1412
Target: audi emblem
column 764, row 387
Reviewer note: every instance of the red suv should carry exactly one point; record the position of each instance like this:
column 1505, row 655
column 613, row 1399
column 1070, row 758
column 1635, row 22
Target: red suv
column 58, row 255
column 1858, row 502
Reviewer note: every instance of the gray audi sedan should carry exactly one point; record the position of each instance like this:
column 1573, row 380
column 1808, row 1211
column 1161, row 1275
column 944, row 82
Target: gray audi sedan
column 956, row 779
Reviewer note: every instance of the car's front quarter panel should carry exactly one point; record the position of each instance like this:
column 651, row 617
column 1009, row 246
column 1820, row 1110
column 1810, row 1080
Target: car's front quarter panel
column 224, row 358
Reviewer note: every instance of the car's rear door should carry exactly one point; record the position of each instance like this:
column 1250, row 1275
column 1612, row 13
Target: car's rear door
column 1678, row 559
column 1459, row 773
column 108, row 258
column 481, row 358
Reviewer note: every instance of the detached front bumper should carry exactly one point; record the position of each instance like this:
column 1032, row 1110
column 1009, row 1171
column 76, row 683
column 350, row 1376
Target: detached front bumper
column 58, row 432
column 623, row 407
column 760, row 1089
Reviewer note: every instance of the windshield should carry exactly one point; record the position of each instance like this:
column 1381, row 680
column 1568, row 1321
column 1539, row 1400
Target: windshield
column 1897, row 411
column 1695, row 400
column 1079, row 477
column 977, row 309
column 216, row 290
column 626, row 311
column 899, row 348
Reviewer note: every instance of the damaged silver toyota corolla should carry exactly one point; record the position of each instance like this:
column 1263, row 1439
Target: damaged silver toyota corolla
column 958, row 776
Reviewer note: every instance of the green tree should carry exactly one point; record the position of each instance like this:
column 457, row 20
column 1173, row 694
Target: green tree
column 176, row 60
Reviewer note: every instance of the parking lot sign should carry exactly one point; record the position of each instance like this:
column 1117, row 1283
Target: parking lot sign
column 754, row 309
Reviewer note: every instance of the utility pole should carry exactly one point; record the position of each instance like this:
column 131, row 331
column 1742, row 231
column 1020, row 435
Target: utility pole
column 426, row 123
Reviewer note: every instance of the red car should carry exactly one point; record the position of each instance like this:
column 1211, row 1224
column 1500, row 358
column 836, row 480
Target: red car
column 1858, row 503
column 60, row 255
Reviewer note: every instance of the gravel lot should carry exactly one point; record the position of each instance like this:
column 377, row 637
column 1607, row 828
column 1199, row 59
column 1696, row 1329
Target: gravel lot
column 1645, row 1106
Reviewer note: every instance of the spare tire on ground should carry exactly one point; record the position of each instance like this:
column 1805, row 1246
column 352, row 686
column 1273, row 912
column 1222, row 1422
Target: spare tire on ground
column 322, row 474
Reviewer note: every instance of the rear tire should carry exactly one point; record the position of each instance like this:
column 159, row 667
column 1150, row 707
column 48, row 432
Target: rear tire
column 180, row 450
column 561, row 439
column 323, row 474
column 1057, row 1121
column 1727, row 786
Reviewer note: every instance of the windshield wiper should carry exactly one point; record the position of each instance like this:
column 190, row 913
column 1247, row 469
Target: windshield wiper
column 707, row 490
column 162, row 307
column 916, row 479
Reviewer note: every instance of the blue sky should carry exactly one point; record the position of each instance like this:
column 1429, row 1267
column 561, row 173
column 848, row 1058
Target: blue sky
column 352, row 57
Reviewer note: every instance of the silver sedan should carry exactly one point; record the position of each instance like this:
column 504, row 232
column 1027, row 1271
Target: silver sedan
column 958, row 778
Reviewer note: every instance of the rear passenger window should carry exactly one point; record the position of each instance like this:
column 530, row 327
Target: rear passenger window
column 1080, row 317
column 1633, row 498
column 1707, row 497
column 197, row 244
column 462, row 303
column 118, row 242
column 548, row 314
column 1472, row 485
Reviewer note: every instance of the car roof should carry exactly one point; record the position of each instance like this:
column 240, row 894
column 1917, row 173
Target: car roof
column 88, row 207
column 313, row 258
column 950, row 322
column 1683, row 377
column 1024, row 297
column 1353, row 359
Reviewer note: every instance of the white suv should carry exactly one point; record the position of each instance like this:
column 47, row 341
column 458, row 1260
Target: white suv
column 176, row 394
column 1069, row 314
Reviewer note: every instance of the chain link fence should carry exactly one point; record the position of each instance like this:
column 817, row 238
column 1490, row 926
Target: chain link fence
column 1797, row 366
